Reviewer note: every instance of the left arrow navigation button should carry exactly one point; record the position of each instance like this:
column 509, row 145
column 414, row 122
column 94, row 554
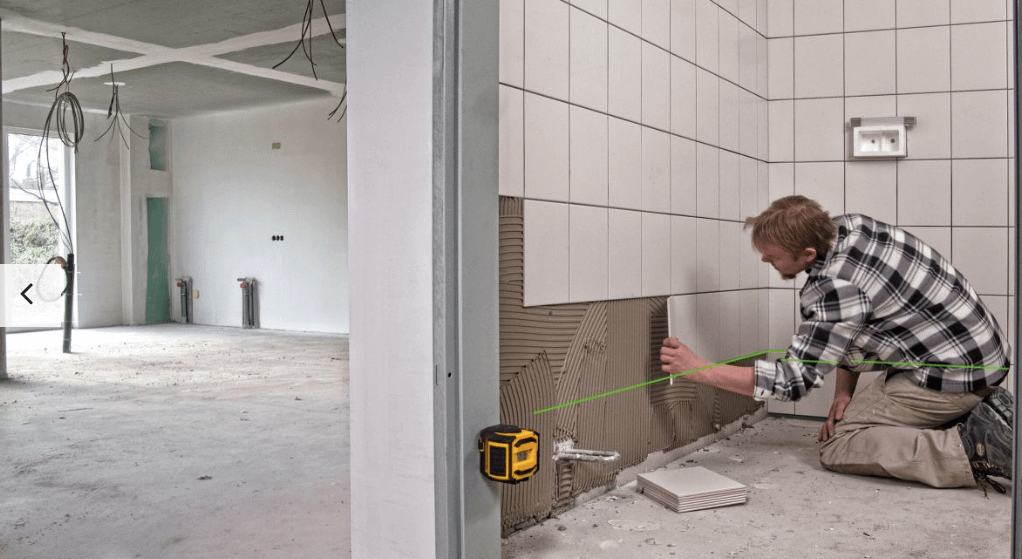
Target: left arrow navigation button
column 26, row 296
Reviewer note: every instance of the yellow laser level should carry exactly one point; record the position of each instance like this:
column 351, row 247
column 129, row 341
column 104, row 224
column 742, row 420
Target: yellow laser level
column 508, row 454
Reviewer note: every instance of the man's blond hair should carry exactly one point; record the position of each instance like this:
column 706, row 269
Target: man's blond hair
column 794, row 223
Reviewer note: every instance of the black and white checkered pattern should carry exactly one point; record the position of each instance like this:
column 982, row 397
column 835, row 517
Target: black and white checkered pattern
column 883, row 295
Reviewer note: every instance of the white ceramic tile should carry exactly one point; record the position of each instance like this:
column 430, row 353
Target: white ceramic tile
column 749, row 203
column 656, row 170
column 588, row 254
column 869, row 15
column 683, row 97
column 707, row 107
column 762, row 22
column 748, row 58
column 924, row 192
column 546, row 47
column 965, row 11
column 762, row 67
column 979, row 121
column 511, row 64
column 625, row 249
column 764, row 187
column 818, row 16
column 763, row 129
column 782, row 130
column 511, row 165
column 706, row 344
column 819, row 66
column 924, row 60
column 869, row 106
column 979, row 192
column 588, row 83
column 938, row 238
column 546, row 250
column 979, row 56
column 683, row 29
column 681, row 317
column 981, row 255
column 781, row 76
column 730, row 324
column 683, row 176
column 930, row 136
column 588, row 172
column 750, row 263
column 781, row 183
column 869, row 63
column 730, row 255
column 546, row 148
column 747, row 12
column 625, row 164
column 656, row 254
column 684, row 264
column 728, row 47
column 626, row 14
column 1011, row 48
column 918, row 13
column 596, row 7
column 708, row 254
column 730, row 6
column 707, row 181
column 656, row 87
column 624, row 89
column 782, row 318
column 729, row 116
column 823, row 182
column 707, row 32
column 780, row 18
column 748, row 123
column 656, row 22
column 871, row 189
column 748, row 325
column 819, row 129
column 729, row 179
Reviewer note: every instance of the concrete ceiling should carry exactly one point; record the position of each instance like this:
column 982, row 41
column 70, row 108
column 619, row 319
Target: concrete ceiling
column 175, row 58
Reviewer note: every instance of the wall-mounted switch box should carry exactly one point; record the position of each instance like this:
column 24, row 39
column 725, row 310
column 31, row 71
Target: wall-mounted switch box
column 195, row 294
column 889, row 140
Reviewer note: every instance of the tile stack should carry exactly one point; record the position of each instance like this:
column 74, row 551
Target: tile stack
column 689, row 489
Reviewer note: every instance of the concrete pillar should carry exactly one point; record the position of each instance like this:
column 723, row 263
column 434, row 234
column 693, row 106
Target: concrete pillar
column 422, row 205
column 5, row 227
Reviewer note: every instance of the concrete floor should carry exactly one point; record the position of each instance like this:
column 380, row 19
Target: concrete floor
column 175, row 441
column 795, row 510
column 194, row 442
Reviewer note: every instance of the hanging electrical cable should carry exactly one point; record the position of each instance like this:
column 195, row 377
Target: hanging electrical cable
column 305, row 41
column 114, row 115
column 344, row 98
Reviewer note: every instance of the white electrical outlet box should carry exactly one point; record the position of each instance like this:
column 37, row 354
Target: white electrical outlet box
column 885, row 140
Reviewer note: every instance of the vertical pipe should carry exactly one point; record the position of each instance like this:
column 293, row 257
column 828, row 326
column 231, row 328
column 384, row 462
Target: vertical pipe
column 3, row 234
column 69, row 300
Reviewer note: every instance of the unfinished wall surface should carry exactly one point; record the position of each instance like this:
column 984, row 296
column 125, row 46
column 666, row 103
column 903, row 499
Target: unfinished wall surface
column 946, row 62
column 97, row 211
column 556, row 354
column 233, row 192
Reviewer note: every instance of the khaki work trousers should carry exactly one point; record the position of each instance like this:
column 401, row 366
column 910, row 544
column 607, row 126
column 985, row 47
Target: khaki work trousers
column 895, row 428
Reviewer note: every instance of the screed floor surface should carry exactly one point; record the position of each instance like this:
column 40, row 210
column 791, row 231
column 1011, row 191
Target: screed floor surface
column 795, row 510
column 175, row 441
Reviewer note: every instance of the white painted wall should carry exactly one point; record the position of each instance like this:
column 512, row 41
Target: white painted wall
column 390, row 71
column 232, row 192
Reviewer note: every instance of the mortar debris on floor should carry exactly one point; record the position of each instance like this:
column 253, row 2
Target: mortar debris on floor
column 795, row 509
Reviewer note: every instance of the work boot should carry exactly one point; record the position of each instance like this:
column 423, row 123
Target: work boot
column 986, row 437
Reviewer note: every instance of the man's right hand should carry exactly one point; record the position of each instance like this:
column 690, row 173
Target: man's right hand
column 837, row 413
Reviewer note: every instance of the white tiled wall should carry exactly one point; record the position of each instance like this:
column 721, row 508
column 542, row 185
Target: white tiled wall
column 945, row 62
column 642, row 132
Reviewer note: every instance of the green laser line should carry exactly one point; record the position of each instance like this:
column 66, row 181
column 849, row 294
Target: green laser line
column 750, row 356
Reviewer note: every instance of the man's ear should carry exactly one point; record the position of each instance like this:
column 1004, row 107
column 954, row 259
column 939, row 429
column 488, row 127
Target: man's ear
column 811, row 253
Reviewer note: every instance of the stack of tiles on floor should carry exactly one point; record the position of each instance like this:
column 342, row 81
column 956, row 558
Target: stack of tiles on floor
column 689, row 489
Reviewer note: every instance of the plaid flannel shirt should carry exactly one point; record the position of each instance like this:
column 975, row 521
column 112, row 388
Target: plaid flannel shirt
column 882, row 295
